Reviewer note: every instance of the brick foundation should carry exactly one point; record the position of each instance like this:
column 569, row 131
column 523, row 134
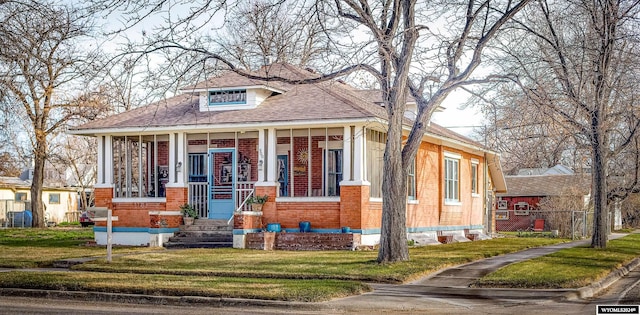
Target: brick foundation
column 164, row 221
column 247, row 220
column 302, row 241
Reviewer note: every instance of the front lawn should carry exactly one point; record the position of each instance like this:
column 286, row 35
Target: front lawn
column 270, row 275
column 31, row 248
column 171, row 285
column 567, row 268
column 344, row 265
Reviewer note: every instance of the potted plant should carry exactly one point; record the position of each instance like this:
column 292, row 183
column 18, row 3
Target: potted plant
column 189, row 213
column 256, row 202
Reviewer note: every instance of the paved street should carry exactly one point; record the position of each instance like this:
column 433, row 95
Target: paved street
column 446, row 292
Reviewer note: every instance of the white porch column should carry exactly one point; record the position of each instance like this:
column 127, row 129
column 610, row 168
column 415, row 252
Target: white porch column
column 358, row 154
column 107, row 161
column 261, row 157
column 272, row 157
column 181, row 159
column 100, row 161
column 346, row 154
column 172, row 158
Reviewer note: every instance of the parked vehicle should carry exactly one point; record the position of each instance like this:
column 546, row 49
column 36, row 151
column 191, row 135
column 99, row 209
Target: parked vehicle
column 85, row 219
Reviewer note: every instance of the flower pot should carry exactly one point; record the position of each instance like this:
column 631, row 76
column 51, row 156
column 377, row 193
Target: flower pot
column 188, row 220
column 256, row 206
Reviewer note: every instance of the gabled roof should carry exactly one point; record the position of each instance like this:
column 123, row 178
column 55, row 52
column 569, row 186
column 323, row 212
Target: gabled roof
column 556, row 170
column 547, row 185
column 13, row 182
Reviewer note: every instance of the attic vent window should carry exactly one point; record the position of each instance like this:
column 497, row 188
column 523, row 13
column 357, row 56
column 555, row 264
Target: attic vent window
column 228, row 97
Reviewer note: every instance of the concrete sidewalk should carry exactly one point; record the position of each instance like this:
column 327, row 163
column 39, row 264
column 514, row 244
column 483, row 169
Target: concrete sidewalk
column 450, row 287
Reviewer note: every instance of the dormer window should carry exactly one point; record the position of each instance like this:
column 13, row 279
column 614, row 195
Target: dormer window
column 227, row 97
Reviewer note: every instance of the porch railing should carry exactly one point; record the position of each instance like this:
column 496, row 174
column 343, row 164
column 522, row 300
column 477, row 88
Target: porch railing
column 198, row 196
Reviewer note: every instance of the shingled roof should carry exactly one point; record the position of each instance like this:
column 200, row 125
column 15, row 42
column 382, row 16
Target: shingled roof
column 317, row 102
column 547, row 185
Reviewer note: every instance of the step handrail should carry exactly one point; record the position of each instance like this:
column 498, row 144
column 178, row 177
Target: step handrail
column 250, row 195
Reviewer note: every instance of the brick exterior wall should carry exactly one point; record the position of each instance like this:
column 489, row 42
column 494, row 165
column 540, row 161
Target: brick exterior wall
column 176, row 196
column 517, row 222
column 472, row 207
column 165, row 221
column 269, row 213
column 354, row 206
column 322, row 215
column 263, row 240
column 243, row 221
column 302, row 241
column 103, row 197
column 134, row 214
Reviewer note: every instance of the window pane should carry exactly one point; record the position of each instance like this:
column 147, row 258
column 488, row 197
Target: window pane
column 451, row 179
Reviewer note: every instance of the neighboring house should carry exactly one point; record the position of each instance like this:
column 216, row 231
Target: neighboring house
column 61, row 204
column 316, row 150
column 514, row 208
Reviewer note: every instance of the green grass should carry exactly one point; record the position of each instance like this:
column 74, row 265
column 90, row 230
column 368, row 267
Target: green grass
column 30, row 248
column 271, row 275
column 341, row 265
column 567, row 268
column 171, row 285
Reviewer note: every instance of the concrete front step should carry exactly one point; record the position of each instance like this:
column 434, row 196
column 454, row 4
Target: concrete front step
column 198, row 244
column 196, row 228
column 209, row 222
column 203, row 233
column 198, row 239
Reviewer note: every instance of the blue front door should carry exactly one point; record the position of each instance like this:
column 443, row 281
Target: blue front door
column 222, row 183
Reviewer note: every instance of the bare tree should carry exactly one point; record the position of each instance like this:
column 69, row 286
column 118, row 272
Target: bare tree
column 39, row 60
column 264, row 31
column 526, row 135
column 425, row 49
column 577, row 62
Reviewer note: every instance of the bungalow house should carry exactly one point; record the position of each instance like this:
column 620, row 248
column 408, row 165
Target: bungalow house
column 61, row 203
column 315, row 150
column 517, row 209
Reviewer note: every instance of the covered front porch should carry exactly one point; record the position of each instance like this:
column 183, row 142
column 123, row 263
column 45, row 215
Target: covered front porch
column 145, row 178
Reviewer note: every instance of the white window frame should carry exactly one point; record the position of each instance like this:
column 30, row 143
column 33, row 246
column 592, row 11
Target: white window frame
column 451, row 178
column 521, row 208
column 412, row 189
column 475, row 187
column 228, row 97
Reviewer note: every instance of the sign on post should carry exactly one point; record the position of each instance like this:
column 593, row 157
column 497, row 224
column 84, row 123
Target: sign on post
column 101, row 214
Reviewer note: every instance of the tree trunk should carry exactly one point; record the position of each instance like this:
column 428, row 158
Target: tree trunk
column 37, row 206
column 599, row 191
column 393, row 233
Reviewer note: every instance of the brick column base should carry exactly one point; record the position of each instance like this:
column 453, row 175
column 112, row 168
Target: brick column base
column 176, row 196
column 354, row 201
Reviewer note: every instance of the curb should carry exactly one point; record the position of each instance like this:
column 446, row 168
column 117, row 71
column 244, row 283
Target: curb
column 157, row 299
column 594, row 288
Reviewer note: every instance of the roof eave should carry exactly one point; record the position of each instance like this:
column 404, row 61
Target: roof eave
column 241, row 87
column 495, row 171
column 222, row 127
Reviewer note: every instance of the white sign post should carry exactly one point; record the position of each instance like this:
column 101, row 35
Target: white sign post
column 104, row 214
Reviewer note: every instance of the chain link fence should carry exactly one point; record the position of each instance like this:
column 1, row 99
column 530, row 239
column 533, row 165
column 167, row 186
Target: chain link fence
column 572, row 224
column 15, row 213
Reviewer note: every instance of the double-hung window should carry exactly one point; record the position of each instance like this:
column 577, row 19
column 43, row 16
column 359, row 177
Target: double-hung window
column 451, row 178
column 411, row 181
column 474, row 177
